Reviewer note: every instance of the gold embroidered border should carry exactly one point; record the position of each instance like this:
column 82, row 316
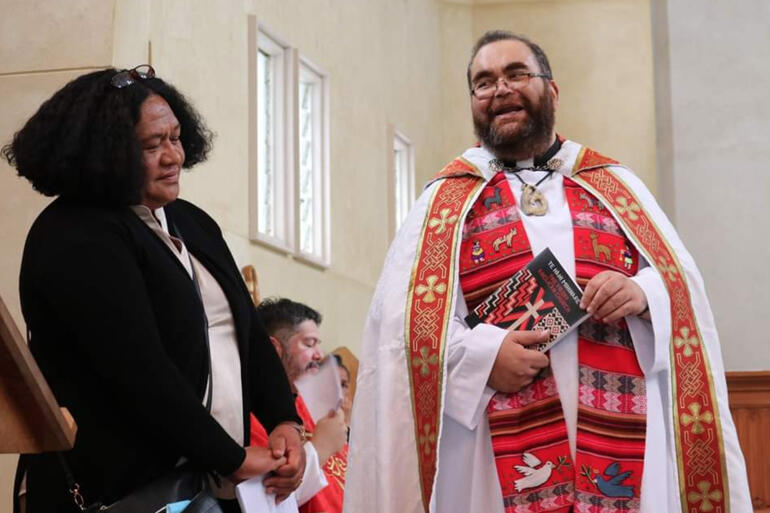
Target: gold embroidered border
column 699, row 444
column 458, row 167
column 427, row 315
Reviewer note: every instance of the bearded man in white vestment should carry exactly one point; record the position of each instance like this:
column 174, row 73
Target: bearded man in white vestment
column 627, row 413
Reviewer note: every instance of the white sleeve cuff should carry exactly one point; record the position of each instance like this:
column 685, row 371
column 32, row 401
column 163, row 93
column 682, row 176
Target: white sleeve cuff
column 313, row 479
column 471, row 355
column 652, row 338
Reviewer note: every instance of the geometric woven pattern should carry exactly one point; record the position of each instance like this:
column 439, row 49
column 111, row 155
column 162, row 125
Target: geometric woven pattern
column 592, row 503
column 612, row 400
column 546, row 499
column 528, row 426
column 543, row 388
column 485, row 223
column 555, row 324
column 515, row 300
column 699, row 445
column 612, row 392
column 608, row 334
column 597, row 222
column 612, row 382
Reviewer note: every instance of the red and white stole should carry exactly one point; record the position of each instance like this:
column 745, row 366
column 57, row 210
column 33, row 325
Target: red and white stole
column 529, row 435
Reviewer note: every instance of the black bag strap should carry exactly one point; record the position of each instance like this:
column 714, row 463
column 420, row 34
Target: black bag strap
column 74, row 488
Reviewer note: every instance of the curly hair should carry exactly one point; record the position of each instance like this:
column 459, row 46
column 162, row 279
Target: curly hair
column 82, row 144
column 279, row 314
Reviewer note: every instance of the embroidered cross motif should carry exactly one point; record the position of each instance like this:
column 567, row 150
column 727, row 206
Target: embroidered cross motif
column 684, row 339
column 697, row 418
column 626, row 208
column 532, row 311
column 424, row 362
column 430, row 290
column 427, row 438
column 443, row 221
column 669, row 269
column 705, row 496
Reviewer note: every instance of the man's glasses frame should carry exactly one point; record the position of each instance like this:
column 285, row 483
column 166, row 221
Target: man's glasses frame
column 129, row 76
column 486, row 88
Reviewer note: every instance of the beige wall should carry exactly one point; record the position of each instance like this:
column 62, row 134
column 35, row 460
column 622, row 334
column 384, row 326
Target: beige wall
column 457, row 38
column 714, row 125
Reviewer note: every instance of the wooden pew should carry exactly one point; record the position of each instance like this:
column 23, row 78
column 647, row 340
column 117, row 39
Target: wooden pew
column 749, row 394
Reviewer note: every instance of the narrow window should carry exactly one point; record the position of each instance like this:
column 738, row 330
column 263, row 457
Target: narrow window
column 312, row 173
column 402, row 177
column 266, row 143
column 273, row 182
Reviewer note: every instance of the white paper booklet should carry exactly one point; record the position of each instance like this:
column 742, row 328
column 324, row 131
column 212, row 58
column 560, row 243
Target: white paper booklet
column 321, row 391
column 253, row 499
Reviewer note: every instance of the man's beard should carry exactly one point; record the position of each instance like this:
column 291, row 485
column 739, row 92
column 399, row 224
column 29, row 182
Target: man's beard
column 292, row 367
column 531, row 135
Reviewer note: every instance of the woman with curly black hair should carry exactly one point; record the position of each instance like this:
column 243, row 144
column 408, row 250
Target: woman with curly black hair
column 136, row 311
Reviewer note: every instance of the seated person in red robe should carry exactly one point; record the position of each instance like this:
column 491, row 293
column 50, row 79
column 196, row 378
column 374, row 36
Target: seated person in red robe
column 293, row 330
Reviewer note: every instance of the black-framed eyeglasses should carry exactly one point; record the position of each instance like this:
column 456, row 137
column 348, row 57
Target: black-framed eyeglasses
column 129, row 76
column 487, row 87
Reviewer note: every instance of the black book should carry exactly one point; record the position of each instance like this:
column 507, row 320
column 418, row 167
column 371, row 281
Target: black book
column 541, row 296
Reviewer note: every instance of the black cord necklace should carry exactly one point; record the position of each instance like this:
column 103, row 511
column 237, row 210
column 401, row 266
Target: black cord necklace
column 547, row 175
column 533, row 202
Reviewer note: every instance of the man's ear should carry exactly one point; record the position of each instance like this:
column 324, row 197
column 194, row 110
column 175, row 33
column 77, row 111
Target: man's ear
column 554, row 89
column 277, row 345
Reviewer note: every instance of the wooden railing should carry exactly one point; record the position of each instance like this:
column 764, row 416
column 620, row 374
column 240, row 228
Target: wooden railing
column 749, row 394
column 30, row 419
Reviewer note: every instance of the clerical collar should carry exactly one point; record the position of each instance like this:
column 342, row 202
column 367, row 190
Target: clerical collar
column 540, row 162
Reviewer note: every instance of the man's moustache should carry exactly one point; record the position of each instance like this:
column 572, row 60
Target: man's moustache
column 523, row 104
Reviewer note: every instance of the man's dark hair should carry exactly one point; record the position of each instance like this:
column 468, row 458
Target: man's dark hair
column 81, row 143
column 503, row 35
column 280, row 313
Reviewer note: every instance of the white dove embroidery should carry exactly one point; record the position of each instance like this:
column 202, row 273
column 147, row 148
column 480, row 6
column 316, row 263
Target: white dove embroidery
column 532, row 476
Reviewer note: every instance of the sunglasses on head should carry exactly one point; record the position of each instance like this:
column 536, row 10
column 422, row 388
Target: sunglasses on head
column 129, row 76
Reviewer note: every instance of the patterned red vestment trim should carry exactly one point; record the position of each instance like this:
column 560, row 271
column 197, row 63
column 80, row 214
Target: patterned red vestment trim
column 428, row 310
column 700, row 450
column 458, row 167
column 589, row 159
